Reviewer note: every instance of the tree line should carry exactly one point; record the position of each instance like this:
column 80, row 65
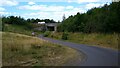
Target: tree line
column 21, row 21
column 28, row 23
column 105, row 19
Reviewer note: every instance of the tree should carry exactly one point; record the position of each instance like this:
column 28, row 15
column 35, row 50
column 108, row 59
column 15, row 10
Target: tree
column 64, row 17
column 99, row 20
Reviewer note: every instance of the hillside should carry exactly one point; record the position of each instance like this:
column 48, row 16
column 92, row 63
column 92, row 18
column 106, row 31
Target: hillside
column 17, row 29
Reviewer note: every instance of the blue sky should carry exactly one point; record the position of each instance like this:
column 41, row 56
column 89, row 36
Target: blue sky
column 47, row 9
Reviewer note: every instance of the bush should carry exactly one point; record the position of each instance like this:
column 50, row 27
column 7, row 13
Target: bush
column 65, row 36
column 46, row 33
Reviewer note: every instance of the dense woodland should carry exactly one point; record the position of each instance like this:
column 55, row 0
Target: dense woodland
column 104, row 19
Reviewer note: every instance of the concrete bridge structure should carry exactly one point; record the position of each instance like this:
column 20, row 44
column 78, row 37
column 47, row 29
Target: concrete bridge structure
column 42, row 26
column 51, row 26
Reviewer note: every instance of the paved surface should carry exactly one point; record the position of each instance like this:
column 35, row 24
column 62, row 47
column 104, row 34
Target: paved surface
column 95, row 56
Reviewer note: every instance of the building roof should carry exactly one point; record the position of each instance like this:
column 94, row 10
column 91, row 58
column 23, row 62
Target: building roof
column 41, row 22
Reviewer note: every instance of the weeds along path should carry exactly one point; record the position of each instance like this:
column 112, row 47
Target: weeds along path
column 95, row 56
column 24, row 50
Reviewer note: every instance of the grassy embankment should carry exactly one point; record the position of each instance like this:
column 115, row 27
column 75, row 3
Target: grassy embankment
column 95, row 39
column 24, row 50
column 19, row 29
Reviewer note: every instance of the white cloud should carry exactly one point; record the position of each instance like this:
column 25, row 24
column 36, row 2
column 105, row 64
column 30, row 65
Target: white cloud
column 4, row 13
column 51, row 11
column 28, row 7
column 69, row 1
column 87, row 1
column 42, row 7
column 31, row 3
column 64, row 0
column 44, row 15
column 41, row 15
column 56, row 15
column 8, row 3
column 53, row 8
column 46, row 8
column 92, row 5
column 69, row 7
column 81, row 1
column 2, row 9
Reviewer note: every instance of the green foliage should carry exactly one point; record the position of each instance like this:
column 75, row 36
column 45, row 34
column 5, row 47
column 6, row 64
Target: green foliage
column 96, row 20
column 1, row 24
column 20, row 25
column 46, row 33
column 65, row 36
column 14, row 20
column 107, row 40
column 21, row 21
column 17, row 29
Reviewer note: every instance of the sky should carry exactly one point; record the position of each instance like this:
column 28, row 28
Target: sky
column 47, row 9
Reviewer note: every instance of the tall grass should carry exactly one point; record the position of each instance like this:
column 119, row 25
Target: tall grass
column 20, row 29
column 17, row 29
column 23, row 50
column 0, row 49
column 95, row 39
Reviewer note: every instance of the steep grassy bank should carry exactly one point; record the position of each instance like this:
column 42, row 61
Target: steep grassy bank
column 23, row 50
column 19, row 29
column 95, row 39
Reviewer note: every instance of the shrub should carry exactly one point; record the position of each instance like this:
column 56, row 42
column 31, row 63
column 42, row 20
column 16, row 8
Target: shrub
column 65, row 36
column 34, row 46
column 46, row 34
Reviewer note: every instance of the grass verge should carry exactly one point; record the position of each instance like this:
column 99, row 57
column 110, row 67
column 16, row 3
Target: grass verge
column 20, row 29
column 94, row 39
column 23, row 50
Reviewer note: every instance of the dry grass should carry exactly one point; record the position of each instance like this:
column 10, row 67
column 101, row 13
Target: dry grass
column 0, row 49
column 102, row 40
column 23, row 50
column 95, row 39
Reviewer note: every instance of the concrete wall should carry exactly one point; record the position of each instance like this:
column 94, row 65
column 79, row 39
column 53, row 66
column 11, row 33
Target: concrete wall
column 54, row 25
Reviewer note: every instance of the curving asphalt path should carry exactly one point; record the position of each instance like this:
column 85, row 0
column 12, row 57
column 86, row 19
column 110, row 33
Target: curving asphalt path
column 95, row 56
